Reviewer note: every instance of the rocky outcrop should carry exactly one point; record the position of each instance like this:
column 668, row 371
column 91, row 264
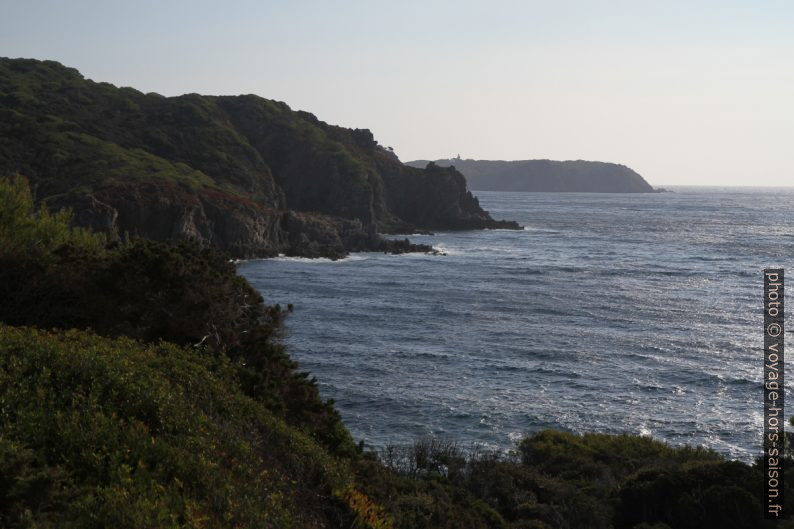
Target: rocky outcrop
column 242, row 173
column 546, row 176
column 239, row 226
column 436, row 198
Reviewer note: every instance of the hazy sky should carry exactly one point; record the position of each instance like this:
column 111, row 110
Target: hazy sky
column 685, row 92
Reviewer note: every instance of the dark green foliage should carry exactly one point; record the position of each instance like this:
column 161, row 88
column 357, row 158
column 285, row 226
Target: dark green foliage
column 25, row 234
column 190, row 413
column 63, row 131
column 429, row 501
column 223, row 170
column 436, row 206
column 703, row 495
column 216, row 429
column 181, row 293
column 110, row 433
column 561, row 480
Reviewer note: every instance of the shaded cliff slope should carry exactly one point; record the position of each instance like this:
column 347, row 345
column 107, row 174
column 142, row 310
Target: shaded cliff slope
column 546, row 176
column 243, row 173
column 171, row 401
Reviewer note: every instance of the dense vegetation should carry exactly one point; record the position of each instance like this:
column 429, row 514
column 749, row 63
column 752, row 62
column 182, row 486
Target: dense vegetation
column 142, row 384
column 121, row 423
column 562, row 480
column 242, row 173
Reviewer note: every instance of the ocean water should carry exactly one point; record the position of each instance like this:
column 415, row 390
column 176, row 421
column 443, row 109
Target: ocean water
column 608, row 313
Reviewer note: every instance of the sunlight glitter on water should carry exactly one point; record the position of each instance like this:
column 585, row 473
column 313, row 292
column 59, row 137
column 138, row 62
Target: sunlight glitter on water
column 612, row 313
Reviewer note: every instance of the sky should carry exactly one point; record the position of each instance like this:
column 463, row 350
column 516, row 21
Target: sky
column 684, row 92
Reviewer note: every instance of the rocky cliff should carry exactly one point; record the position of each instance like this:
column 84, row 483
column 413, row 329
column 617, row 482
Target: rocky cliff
column 242, row 173
column 546, row 175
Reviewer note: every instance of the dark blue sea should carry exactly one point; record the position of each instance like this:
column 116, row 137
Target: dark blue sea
column 609, row 313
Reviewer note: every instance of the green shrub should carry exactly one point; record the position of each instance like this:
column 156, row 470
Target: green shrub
column 705, row 495
column 187, row 411
column 114, row 433
column 54, row 276
column 28, row 233
column 562, row 480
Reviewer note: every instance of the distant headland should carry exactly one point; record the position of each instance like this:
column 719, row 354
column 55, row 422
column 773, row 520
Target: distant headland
column 546, row 175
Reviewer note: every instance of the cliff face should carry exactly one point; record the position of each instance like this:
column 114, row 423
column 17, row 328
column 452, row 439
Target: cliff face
column 546, row 175
column 239, row 172
column 240, row 226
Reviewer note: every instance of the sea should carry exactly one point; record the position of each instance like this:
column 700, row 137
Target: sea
column 610, row 313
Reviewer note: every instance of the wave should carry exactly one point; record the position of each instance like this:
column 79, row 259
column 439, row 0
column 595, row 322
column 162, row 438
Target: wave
column 444, row 250
column 538, row 230
column 657, row 313
column 361, row 256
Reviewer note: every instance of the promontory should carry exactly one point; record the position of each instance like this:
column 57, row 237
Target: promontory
column 245, row 174
column 545, row 175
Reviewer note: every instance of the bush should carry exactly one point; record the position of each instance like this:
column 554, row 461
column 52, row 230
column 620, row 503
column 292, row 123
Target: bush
column 705, row 495
column 54, row 276
column 188, row 411
column 113, row 433
column 27, row 233
column 562, row 480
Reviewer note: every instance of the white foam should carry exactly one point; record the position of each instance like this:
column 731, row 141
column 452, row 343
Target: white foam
column 316, row 260
column 446, row 251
